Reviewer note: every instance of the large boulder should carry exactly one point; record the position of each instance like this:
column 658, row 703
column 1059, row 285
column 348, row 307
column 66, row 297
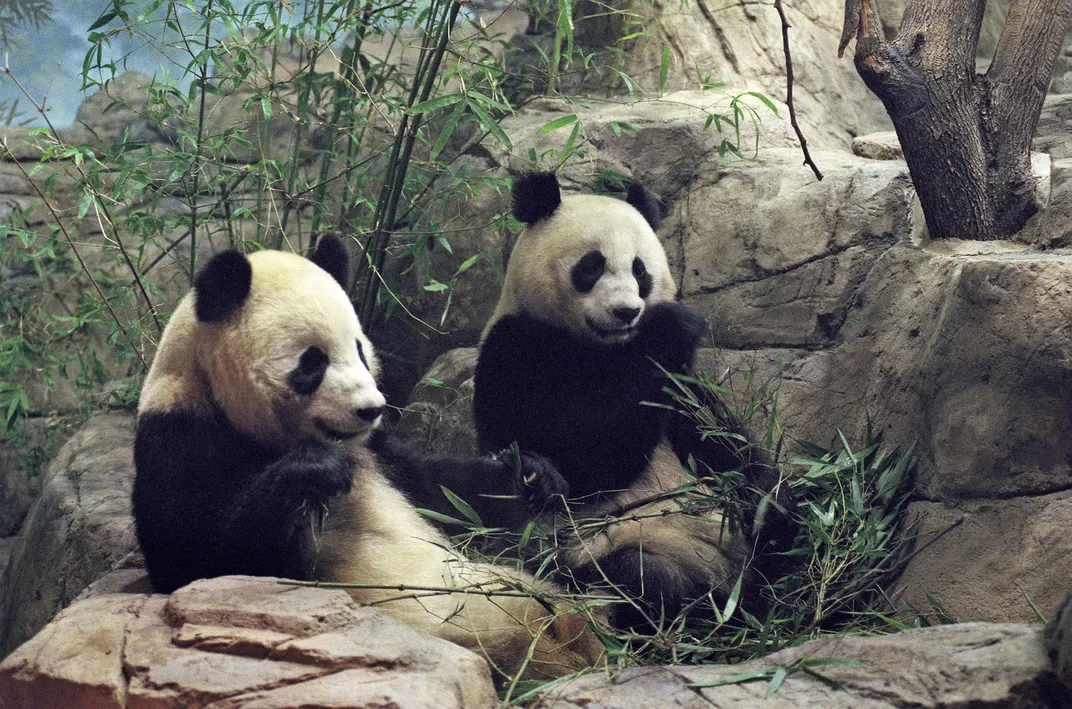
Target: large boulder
column 79, row 529
column 238, row 642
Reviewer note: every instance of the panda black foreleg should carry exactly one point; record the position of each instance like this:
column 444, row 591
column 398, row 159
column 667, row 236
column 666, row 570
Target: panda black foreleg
column 500, row 494
column 669, row 333
column 272, row 522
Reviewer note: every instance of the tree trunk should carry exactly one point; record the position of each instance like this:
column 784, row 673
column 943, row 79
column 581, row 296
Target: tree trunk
column 966, row 137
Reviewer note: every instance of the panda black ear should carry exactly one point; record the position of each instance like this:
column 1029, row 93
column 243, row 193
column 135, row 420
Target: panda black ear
column 536, row 196
column 645, row 203
column 222, row 286
column 333, row 255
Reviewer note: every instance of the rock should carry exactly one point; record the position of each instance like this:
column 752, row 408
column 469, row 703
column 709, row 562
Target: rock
column 7, row 545
column 757, row 287
column 1059, row 639
column 962, row 349
column 19, row 144
column 238, row 642
column 118, row 109
column 972, row 664
column 20, row 476
column 991, row 559
column 439, row 416
column 1057, row 220
column 79, row 528
column 1052, row 134
column 884, row 145
column 740, row 45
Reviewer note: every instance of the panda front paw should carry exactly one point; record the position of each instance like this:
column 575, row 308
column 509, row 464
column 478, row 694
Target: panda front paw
column 671, row 333
column 540, row 485
column 313, row 471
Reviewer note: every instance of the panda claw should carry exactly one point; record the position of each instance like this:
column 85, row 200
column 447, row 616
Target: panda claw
column 541, row 486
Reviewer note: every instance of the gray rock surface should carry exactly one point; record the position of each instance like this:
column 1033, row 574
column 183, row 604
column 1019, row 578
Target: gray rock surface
column 883, row 145
column 7, row 545
column 740, row 44
column 967, row 665
column 990, row 559
column 79, row 528
column 1058, row 637
column 238, row 642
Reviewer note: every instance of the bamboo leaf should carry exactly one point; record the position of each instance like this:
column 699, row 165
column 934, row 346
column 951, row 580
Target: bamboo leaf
column 462, row 506
column 557, row 123
column 434, row 104
column 664, row 69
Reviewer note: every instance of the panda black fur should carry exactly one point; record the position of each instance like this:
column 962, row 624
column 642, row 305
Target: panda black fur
column 260, row 417
column 585, row 321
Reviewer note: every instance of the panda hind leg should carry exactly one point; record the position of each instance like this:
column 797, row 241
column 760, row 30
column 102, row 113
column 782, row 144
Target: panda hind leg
column 656, row 587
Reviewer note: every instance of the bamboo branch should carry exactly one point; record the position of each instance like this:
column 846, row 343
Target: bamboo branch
column 789, row 91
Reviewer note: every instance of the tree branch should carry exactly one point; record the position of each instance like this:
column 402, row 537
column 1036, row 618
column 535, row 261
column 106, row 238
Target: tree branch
column 861, row 22
column 1029, row 44
column 789, row 91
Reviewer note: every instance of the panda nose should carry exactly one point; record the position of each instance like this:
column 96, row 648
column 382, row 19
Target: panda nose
column 370, row 413
column 626, row 315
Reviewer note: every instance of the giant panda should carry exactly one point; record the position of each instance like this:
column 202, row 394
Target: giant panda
column 572, row 366
column 259, row 450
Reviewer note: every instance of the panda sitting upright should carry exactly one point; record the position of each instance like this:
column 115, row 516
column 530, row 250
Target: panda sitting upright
column 257, row 425
column 569, row 364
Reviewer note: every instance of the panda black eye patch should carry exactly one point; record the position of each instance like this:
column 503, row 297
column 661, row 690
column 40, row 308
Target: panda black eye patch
column 587, row 271
column 643, row 278
column 306, row 377
column 361, row 353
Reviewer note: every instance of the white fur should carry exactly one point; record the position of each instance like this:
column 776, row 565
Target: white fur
column 538, row 274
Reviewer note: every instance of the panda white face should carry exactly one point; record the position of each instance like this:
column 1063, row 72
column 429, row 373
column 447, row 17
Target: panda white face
column 594, row 266
column 308, row 353
column 611, row 294
column 272, row 341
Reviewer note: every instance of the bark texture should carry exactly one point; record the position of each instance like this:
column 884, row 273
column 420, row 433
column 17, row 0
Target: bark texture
column 966, row 136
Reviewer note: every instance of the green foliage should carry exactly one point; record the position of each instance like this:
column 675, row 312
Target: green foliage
column 852, row 542
column 270, row 124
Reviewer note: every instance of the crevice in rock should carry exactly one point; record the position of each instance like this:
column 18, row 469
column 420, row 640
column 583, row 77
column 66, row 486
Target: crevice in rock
column 766, row 274
column 993, row 497
column 720, row 36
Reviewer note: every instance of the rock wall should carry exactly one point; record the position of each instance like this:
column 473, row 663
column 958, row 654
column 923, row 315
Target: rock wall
column 960, row 349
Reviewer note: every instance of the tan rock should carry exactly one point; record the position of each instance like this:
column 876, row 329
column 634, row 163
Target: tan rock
column 740, row 44
column 238, row 642
column 972, row 664
column 439, row 415
column 1059, row 639
column 991, row 559
column 884, row 145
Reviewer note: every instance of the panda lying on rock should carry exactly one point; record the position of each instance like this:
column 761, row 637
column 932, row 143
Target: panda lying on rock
column 258, row 424
column 570, row 360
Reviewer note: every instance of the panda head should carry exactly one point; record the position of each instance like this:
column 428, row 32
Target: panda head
column 589, row 263
column 273, row 341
